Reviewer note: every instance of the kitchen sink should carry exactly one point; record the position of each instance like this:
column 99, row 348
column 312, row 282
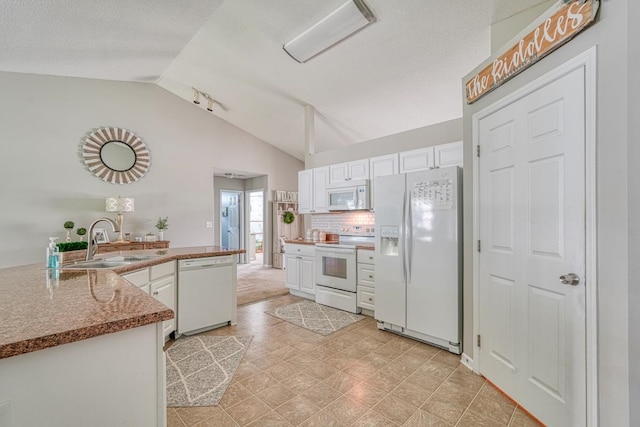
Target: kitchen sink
column 130, row 258
column 96, row 264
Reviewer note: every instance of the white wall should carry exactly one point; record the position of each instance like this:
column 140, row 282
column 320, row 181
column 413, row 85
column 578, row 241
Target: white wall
column 505, row 30
column 43, row 182
column 439, row 133
column 609, row 33
column 633, row 160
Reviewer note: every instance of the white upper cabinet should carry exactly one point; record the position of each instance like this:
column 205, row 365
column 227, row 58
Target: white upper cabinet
column 320, row 182
column 381, row 166
column 349, row 171
column 438, row 156
column 448, row 154
column 305, row 191
column 312, row 190
column 416, row 160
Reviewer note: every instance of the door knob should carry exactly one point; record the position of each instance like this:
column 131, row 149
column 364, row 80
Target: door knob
column 570, row 279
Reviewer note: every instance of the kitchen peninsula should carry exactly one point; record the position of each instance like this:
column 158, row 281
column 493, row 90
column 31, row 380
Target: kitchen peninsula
column 84, row 347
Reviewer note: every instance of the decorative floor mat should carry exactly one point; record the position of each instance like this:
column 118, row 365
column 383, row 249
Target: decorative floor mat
column 199, row 368
column 315, row 317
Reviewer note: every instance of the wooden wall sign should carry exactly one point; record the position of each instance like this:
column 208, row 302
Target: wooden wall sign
column 568, row 20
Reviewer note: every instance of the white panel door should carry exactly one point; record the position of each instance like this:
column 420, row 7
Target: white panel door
column 532, row 231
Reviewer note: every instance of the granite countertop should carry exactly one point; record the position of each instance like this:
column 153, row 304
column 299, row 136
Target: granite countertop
column 41, row 308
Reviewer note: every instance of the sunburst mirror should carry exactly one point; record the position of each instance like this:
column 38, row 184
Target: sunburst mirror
column 116, row 155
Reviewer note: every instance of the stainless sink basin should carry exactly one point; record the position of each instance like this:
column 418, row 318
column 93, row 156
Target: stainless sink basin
column 130, row 258
column 96, row 264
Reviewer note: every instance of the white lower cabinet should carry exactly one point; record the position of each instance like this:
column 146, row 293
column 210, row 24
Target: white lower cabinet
column 164, row 290
column 158, row 281
column 300, row 269
column 366, row 276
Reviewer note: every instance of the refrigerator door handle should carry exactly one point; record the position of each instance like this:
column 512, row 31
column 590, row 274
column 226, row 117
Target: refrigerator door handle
column 409, row 236
column 403, row 235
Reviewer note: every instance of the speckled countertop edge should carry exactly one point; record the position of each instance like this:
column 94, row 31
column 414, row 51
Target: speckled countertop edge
column 311, row 242
column 36, row 314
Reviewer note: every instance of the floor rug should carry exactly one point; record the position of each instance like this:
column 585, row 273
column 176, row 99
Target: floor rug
column 315, row 317
column 259, row 283
column 200, row 368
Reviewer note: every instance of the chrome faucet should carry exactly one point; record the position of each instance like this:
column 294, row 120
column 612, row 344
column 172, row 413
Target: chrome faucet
column 92, row 247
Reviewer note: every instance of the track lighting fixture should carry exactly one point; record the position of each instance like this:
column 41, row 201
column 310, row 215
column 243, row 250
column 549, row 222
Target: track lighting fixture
column 210, row 100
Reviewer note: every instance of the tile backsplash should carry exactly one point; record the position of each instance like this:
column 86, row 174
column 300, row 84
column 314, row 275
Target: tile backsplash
column 344, row 222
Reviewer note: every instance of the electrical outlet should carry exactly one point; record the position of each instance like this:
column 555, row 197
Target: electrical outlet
column 208, row 224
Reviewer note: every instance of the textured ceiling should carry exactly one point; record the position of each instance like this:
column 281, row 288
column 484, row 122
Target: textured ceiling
column 400, row 73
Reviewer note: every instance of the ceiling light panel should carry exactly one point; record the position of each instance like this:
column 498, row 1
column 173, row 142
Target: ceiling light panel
column 344, row 21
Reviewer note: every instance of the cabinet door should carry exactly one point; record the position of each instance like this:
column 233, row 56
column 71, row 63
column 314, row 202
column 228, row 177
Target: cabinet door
column 320, row 182
column 381, row 166
column 359, row 170
column 417, row 160
column 292, row 278
column 305, row 191
column 164, row 290
column 307, row 277
column 339, row 173
column 449, row 154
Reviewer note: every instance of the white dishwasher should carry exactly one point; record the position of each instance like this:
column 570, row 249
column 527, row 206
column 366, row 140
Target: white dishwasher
column 205, row 293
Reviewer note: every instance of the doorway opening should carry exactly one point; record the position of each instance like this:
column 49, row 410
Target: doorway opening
column 230, row 220
column 255, row 218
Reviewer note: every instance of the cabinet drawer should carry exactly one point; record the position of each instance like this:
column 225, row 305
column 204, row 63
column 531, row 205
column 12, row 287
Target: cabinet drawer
column 366, row 275
column 366, row 256
column 161, row 270
column 139, row 278
column 366, row 297
column 303, row 250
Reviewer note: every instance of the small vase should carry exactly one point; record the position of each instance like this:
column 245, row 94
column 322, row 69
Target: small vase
column 160, row 235
column 68, row 235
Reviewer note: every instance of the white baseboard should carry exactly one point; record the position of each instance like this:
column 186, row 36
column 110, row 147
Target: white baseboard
column 466, row 361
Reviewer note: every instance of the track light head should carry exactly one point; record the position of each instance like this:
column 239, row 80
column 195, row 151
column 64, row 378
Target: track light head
column 196, row 97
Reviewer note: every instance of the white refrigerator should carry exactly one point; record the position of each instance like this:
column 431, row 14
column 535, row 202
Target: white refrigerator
column 419, row 255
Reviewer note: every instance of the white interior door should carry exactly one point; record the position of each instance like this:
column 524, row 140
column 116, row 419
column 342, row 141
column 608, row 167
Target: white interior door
column 532, row 231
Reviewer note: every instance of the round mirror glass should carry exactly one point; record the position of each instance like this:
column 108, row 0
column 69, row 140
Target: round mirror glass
column 118, row 156
column 115, row 155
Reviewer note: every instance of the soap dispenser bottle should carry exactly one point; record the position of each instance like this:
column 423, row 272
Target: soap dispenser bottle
column 53, row 254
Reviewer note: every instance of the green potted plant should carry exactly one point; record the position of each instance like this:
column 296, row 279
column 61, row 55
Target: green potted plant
column 81, row 232
column 68, row 225
column 162, row 225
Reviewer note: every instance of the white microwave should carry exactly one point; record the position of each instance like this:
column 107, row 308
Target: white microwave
column 349, row 196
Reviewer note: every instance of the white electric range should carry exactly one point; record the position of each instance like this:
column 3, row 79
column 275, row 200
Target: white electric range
column 336, row 271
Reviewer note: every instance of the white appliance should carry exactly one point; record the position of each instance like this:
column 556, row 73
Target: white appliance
column 349, row 196
column 205, row 293
column 419, row 255
column 335, row 267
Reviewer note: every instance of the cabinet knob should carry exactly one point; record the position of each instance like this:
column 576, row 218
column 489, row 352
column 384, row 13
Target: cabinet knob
column 370, row 299
column 370, row 277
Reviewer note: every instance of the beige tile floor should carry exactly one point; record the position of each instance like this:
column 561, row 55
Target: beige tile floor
column 358, row 376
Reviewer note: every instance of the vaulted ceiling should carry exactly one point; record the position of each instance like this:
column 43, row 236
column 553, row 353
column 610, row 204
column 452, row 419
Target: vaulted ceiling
column 402, row 72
